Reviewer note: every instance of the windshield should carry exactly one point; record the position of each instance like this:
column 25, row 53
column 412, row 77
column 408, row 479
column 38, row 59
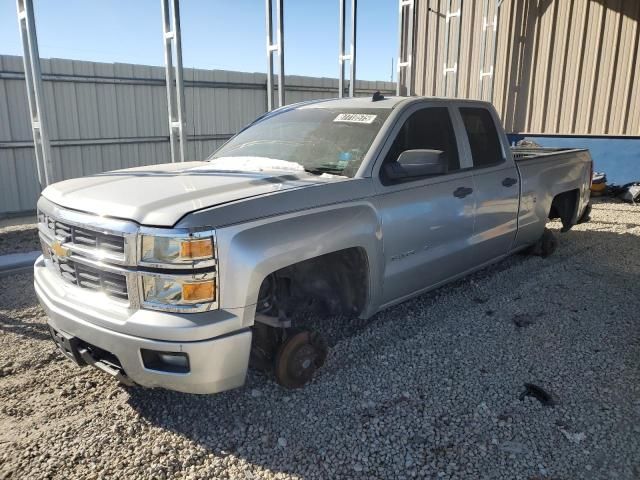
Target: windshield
column 316, row 140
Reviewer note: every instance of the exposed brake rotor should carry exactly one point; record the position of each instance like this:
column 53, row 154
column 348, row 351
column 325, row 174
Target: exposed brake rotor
column 300, row 355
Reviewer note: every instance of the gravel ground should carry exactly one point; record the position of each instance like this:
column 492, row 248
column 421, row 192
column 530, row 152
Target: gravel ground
column 18, row 238
column 429, row 389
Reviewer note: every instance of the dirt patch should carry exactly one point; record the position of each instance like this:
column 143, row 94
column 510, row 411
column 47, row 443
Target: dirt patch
column 19, row 239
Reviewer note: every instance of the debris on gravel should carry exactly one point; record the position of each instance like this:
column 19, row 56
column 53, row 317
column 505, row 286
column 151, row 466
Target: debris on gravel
column 539, row 393
column 427, row 389
column 523, row 320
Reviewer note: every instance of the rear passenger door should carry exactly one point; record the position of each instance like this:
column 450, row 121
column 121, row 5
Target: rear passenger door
column 427, row 222
column 496, row 185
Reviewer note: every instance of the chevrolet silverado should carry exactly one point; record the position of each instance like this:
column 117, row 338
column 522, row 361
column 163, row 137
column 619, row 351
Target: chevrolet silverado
column 181, row 275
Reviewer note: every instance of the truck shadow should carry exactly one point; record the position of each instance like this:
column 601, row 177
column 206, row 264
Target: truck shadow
column 277, row 429
column 17, row 326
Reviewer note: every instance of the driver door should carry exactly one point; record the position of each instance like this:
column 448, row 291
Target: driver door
column 427, row 222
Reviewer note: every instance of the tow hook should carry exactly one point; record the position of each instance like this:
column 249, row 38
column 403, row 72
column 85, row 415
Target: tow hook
column 115, row 372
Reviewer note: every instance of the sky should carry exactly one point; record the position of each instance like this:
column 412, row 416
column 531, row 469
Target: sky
column 216, row 34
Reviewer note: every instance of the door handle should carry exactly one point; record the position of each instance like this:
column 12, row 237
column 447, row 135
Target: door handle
column 508, row 182
column 462, row 192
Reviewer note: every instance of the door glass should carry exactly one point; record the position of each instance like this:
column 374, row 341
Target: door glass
column 483, row 137
column 429, row 128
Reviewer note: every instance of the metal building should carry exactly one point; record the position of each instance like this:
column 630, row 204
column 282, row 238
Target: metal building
column 566, row 67
column 562, row 72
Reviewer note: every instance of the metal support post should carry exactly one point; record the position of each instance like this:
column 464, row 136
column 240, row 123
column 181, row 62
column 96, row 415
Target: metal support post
column 351, row 57
column 33, row 78
column 341, row 56
column 493, row 45
column 175, row 84
column 483, row 43
column 406, row 11
column 275, row 47
column 354, row 22
column 453, row 70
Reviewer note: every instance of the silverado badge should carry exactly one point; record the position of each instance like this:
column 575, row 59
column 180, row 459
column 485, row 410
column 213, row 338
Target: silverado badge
column 59, row 250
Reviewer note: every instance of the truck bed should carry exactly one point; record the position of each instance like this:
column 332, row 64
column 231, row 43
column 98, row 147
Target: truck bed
column 529, row 153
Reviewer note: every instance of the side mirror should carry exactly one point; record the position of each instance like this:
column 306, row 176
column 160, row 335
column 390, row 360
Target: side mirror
column 417, row 163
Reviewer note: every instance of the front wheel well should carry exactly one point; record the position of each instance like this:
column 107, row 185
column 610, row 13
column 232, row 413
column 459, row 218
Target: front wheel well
column 333, row 283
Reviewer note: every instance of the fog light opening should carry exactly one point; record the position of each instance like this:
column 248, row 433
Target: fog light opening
column 171, row 362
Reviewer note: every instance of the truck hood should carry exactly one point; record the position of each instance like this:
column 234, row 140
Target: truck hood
column 159, row 195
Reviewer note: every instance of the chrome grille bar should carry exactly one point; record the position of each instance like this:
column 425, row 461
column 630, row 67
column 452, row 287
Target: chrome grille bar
column 91, row 236
column 84, row 276
column 103, row 255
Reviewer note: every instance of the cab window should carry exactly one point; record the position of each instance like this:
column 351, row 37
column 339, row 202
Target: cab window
column 483, row 137
column 428, row 128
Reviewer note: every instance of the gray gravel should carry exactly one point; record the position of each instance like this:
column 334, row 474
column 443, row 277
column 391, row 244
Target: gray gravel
column 430, row 388
column 18, row 238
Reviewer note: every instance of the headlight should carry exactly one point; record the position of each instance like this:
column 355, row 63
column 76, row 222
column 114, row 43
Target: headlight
column 178, row 291
column 165, row 257
column 172, row 250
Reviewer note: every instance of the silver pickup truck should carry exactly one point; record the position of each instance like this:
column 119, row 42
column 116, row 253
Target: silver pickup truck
column 177, row 275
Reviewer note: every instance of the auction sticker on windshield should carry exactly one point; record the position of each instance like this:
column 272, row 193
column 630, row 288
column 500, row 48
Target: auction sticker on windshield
column 355, row 118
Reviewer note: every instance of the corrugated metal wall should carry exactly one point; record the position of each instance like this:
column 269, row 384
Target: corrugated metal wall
column 109, row 116
column 566, row 67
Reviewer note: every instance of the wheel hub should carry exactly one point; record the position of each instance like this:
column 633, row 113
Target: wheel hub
column 302, row 361
column 299, row 357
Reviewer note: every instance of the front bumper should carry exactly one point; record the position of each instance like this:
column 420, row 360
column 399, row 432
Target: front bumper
column 215, row 363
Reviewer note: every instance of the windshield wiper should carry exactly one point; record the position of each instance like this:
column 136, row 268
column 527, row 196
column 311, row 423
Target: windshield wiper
column 321, row 170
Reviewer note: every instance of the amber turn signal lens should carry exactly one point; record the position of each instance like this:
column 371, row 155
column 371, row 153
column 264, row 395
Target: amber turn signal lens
column 199, row 292
column 197, row 248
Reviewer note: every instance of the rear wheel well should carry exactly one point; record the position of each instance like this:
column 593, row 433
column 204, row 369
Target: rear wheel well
column 334, row 283
column 564, row 207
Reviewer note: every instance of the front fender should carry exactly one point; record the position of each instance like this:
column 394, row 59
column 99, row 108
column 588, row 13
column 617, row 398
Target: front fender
column 251, row 251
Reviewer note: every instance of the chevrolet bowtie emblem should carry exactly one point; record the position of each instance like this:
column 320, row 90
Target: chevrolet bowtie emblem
column 59, row 250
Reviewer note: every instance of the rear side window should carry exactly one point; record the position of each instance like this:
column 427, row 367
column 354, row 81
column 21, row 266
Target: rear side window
column 483, row 137
column 430, row 129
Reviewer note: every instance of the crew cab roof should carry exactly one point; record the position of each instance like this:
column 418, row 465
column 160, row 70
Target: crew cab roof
column 367, row 102
column 355, row 102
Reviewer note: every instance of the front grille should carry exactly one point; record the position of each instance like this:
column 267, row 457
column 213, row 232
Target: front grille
column 87, row 251
column 84, row 237
column 84, row 276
